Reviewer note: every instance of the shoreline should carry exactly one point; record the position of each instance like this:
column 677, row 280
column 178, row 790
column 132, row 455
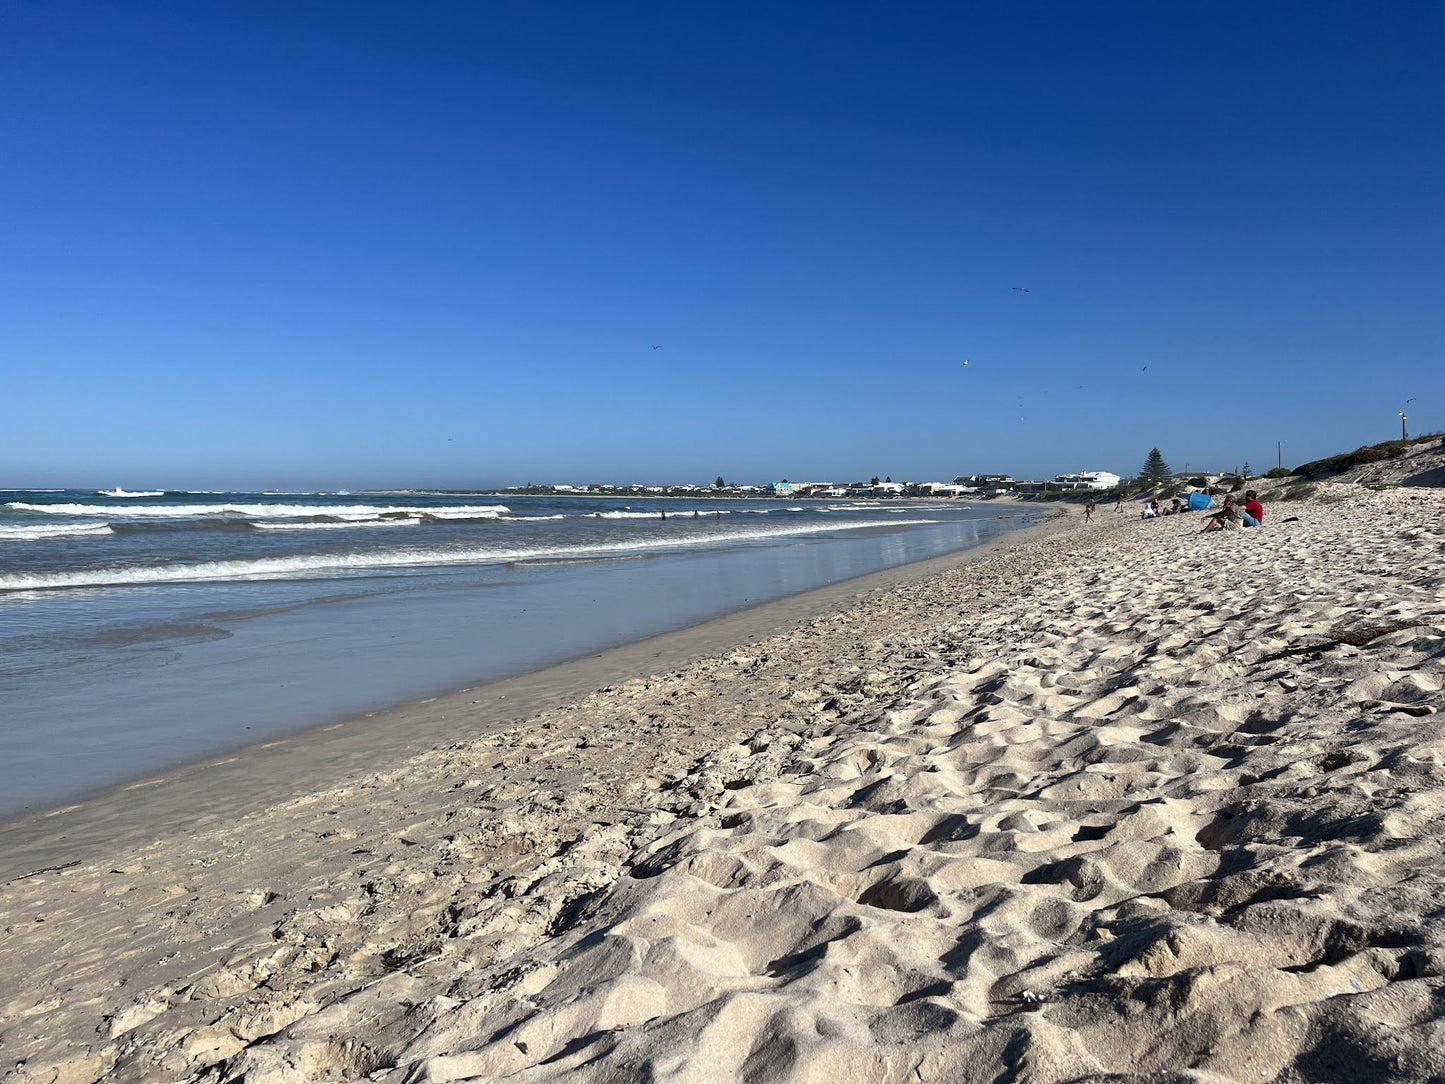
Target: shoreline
column 1120, row 802
column 252, row 776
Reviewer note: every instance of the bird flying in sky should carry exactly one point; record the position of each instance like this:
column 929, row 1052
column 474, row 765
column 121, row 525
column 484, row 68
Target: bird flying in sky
column 657, row 348
column 1023, row 289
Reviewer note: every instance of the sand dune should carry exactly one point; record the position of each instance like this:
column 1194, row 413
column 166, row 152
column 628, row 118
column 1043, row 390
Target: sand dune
column 1127, row 803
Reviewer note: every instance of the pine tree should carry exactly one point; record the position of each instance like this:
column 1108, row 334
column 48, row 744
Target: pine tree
column 1155, row 469
column 719, row 484
column 1248, row 470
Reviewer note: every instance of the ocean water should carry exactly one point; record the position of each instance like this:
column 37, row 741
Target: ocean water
column 142, row 631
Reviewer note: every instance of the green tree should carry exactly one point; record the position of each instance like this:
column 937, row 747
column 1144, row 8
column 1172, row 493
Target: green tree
column 719, row 484
column 1248, row 470
column 1155, row 469
column 875, row 481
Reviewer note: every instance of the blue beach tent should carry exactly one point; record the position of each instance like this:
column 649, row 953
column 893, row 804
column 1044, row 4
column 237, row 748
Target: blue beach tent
column 1198, row 501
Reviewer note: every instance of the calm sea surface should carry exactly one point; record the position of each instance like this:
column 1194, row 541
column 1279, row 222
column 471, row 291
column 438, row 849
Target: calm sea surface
column 142, row 631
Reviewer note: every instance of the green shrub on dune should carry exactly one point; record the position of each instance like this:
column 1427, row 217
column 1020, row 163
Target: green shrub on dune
column 1362, row 456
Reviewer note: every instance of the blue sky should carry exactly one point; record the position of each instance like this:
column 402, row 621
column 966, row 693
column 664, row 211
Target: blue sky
column 435, row 243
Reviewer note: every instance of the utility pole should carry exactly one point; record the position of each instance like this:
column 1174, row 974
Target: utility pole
column 1279, row 454
column 1403, row 435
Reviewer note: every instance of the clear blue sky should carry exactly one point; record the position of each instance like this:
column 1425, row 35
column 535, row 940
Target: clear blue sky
column 360, row 244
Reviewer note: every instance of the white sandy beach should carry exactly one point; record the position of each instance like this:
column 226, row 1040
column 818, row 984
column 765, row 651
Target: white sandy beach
column 1110, row 804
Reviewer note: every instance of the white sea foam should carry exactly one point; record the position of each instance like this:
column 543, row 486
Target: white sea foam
column 343, row 526
column 495, row 511
column 264, row 511
column 268, row 568
column 53, row 530
column 672, row 513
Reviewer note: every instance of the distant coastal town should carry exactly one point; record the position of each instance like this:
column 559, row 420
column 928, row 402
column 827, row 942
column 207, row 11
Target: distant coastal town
column 972, row 486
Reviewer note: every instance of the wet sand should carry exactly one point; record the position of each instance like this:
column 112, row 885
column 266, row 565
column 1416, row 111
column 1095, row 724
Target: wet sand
column 191, row 796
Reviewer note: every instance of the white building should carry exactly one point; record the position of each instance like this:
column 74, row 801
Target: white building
column 1087, row 479
column 947, row 489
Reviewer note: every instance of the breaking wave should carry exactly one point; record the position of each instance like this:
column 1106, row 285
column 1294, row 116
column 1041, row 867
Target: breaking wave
column 344, row 525
column 264, row 568
column 53, row 530
column 264, row 511
column 678, row 513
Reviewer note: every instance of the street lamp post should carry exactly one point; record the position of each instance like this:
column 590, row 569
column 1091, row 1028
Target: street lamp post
column 1403, row 435
column 1279, row 454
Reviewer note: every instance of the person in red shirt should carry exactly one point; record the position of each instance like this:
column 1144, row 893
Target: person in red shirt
column 1253, row 510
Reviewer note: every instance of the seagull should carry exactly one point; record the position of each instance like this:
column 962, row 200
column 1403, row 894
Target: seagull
column 965, row 362
column 1023, row 289
column 1145, row 369
column 657, row 348
column 1407, row 401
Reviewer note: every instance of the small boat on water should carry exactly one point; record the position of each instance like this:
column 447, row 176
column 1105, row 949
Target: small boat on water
column 118, row 492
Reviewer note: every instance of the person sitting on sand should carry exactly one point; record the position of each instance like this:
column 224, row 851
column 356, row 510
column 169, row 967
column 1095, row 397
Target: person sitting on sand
column 1253, row 510
column 1225, row 518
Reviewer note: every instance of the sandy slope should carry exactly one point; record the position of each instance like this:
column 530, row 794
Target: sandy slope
column 1422, row 464
column 1109, row 803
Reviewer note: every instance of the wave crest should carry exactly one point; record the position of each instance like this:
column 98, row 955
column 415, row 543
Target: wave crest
column 269, row 568
column 53, row 530
column 265, row 511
